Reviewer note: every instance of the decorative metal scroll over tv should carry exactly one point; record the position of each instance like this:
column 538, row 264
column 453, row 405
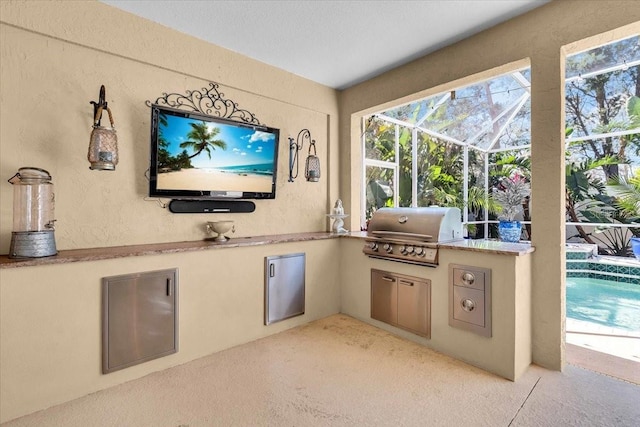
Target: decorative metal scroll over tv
column 208, row 101
column 204, row 147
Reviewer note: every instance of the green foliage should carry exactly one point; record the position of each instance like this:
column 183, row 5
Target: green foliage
column 633, row 110
column 580, row 184
column 628, row 197
column 440, row 172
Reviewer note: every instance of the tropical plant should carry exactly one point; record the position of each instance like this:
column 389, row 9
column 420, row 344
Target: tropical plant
column 510, row 196
column 586, row 198
column 627, row 202
column 612, row 240
column 628, row 197
column 440, row 172
column 164, row 157
column 201, row 138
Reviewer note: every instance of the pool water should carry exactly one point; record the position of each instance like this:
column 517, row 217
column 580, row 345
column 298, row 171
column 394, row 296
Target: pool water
column 603, row 302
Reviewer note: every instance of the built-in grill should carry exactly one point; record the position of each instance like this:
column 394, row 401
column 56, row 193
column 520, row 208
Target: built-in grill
column 411, row 235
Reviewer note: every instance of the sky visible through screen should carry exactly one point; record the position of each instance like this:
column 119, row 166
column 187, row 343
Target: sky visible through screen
column 245, row 146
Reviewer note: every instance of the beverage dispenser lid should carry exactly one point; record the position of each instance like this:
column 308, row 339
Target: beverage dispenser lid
column 29, row 173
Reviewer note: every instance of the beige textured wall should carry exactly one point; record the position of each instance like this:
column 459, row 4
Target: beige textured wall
column 54, row 57
column 541, row 37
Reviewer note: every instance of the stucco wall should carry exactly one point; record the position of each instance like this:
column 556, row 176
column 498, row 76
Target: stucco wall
column 540, row 38
column 54, row 57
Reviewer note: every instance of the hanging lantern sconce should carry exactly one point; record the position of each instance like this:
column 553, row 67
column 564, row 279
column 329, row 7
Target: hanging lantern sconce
column 103, row 144
column 312, row 164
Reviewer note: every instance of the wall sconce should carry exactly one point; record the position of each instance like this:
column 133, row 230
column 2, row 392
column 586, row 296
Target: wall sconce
column 103, row 144
column 312, row 164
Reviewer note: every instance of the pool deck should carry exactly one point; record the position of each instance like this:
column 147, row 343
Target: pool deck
column 611, row 351
column 617, row 260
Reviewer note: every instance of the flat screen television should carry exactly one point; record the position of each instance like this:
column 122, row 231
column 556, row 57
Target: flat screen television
column 201, row 157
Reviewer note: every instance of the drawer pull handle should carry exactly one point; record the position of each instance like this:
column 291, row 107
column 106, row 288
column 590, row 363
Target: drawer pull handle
column 403, row 282
column 468, row 278
column 388, row 279
column 468, row 305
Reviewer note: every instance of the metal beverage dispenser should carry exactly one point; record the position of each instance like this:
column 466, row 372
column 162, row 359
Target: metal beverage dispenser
column 33, row 216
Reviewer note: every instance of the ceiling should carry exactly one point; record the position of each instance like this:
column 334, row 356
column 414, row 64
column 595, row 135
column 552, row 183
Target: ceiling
column 332, row 42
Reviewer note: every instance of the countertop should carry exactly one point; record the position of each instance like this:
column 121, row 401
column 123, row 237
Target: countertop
column 95, row 254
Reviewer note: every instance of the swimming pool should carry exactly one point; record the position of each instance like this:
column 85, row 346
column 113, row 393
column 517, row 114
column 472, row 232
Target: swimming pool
column 604, row 302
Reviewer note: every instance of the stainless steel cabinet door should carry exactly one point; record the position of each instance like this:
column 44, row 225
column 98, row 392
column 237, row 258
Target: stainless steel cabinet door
column 284, row 287
column 139, row 318
column 414, row 302
column 384, row 297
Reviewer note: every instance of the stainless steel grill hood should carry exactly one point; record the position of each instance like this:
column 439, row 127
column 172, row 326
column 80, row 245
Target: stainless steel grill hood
column 411, row 234
column 432, row 224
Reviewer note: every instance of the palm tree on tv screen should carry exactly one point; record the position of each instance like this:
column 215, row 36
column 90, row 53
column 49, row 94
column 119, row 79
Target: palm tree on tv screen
column 201, row 138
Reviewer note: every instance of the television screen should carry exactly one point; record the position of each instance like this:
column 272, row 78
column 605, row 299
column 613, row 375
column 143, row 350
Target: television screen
column 196, row 156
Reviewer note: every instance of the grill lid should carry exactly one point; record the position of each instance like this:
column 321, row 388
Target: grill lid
column 430, row 224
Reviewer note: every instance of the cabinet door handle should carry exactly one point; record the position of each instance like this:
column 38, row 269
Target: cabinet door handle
column 388, row 279
column 169, row 290
column 272, row 270
column 404, row 282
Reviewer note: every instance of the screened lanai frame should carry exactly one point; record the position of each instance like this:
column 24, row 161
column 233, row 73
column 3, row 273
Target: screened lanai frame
column 500, row 131
column 488, row 134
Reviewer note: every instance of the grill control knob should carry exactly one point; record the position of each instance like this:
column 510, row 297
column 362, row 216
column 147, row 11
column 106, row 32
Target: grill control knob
column 403, row 250
column 410, row 250
column 387, row 247
column 373, row 246
column 419, row 251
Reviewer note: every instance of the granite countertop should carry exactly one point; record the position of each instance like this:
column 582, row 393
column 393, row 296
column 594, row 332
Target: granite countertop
column 95, row 254
column 491, row 245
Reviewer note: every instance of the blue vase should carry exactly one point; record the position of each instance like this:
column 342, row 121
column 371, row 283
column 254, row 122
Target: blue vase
column 509, row 231
column 635, row 246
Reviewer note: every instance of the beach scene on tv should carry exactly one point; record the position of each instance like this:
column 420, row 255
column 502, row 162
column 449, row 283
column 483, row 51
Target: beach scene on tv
column 209, row 156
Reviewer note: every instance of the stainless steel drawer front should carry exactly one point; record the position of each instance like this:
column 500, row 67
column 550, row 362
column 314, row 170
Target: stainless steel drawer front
column 468, row 305
column 468, row 278
column 470, row 299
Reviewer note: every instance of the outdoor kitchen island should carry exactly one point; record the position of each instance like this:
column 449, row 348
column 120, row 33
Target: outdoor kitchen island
column 507, row 351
